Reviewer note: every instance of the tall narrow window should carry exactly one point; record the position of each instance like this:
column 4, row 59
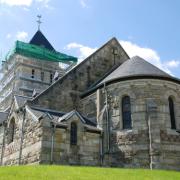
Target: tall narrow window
column 42, row 76
column 172, row 114
column 126, row 112
column 11, row 130
column 32, row 73
column 51, row 77
column 73, row 136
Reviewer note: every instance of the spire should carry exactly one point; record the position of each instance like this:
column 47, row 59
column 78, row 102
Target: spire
column 39, row 21
column 39, row 39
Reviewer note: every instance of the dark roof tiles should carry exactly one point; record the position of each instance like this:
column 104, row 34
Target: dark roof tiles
column 40, row 40
column 135, row 66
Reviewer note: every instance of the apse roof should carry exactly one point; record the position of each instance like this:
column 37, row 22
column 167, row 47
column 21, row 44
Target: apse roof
column 136, row 66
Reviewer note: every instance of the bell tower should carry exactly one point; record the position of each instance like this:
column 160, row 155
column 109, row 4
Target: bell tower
column 30, row 67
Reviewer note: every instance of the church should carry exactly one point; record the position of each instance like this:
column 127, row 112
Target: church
column 109, row 110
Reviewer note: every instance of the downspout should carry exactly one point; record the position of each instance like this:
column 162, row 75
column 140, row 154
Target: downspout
column 52, row 142
column 3, row 143
column 151, row 108
column 107, row 119
column 22, row 134
column 150, row 141
column 101, row 155
column 101, row 149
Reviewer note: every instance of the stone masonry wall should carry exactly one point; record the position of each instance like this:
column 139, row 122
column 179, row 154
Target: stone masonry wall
column 31, row 147
column 64, row 94
column 130, row 148
column 17, row 77
column 86, row 152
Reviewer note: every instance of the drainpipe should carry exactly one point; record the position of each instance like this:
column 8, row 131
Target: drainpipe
column 107, row 119
column 101, row 149
column 22, row 134
column 52, row 141
column 3, row 143
column 150, row 141
column 151, row 108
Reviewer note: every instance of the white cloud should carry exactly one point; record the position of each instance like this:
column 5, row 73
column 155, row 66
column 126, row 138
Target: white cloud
column 16, row 2
column 150, row 55
column 26, row 3
column 84, row 3
column 132, row 49
column 83, row 51
column 26, row 9
column 45, row 3
column 173, row 64
column 9, row 35
column 21, row 35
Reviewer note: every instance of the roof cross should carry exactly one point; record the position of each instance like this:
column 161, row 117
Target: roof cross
column 39, row 21
column 115, row 53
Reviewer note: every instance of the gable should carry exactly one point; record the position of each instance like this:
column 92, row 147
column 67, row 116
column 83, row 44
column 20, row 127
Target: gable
column 63, row 95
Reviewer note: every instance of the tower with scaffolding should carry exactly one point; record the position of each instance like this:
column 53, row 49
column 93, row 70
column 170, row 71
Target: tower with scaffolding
column 30, row 68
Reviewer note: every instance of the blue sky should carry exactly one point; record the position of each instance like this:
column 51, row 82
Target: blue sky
column 78, row 27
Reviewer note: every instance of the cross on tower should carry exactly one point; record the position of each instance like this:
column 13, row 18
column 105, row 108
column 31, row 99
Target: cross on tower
column 39, row 21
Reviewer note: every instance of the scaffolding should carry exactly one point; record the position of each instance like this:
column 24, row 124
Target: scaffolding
column 37, row 52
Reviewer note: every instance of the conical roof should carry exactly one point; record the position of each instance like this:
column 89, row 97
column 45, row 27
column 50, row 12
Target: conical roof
column 40, row 40
column 135, row 66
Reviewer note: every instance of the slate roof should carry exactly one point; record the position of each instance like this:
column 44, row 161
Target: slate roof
column 62, row 116
column 84, row 119
column 40, row 40
column 49, row 111
column 136, row 66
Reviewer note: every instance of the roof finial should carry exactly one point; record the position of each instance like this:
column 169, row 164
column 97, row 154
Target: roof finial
column 39, row 21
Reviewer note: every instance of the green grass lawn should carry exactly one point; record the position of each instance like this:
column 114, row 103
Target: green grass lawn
column 92, row 173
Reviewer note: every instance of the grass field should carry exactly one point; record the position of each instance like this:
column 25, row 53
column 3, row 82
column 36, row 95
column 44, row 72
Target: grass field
column 92, row 173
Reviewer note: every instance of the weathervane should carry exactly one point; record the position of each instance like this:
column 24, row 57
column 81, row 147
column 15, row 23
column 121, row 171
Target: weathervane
column 39, row 21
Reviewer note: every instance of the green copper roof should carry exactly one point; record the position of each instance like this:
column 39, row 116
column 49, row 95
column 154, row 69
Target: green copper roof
column 37, row 52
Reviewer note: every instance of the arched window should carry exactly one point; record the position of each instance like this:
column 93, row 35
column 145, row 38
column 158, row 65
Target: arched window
column 171, row 112
column 126, row 112
column 11, row 130
column 73, row 136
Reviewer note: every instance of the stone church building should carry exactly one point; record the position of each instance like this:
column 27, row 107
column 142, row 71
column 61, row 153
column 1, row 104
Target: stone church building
column 109, row 110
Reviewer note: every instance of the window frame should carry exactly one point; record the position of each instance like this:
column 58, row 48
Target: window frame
column 172, row 112
column 42, row 75
column 126, row 112
column 51, row 77
column 32, row 73
column 73, row 133
column 11, row 132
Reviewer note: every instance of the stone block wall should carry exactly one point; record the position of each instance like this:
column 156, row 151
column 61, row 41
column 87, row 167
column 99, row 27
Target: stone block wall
column 170, row 146
column 31, row 147
column 130, row 148
column 64, row 94
column 17, row 77
column 86, row 152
